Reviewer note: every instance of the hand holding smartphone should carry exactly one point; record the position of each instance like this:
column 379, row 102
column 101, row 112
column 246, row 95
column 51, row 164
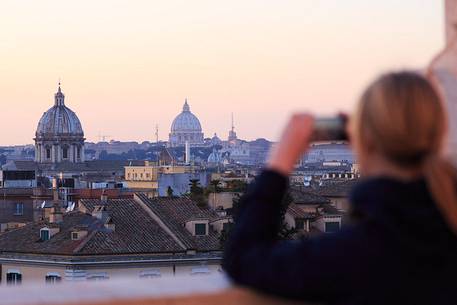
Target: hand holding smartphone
column 330, row 129
column 301, row 130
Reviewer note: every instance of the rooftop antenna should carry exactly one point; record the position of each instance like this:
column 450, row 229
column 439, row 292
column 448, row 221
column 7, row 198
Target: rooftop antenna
column 157, row 134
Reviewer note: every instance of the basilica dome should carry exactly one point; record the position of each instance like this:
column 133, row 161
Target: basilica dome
column 59, row 120
column 186, row 128
column 186, row 121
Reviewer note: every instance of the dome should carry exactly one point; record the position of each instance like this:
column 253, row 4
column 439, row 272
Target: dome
column 214, row 157
column 59, row 136
column 186, row 121
column 215, row 140
column 59, row 120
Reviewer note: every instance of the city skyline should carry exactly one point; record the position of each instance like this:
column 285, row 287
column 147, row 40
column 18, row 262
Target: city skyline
column 129, row 67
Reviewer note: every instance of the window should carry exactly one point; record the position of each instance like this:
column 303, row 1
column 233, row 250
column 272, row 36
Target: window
column 44, row 234
column 53, row 278
column 19, row 209
column 148, row 274
column 201, row 270
column 332, row 226
column 65, row 153
column 78, row 153
column 13, row 278
column 74, row 236
column 48, row 153
column 101, row 276
column 200, row 229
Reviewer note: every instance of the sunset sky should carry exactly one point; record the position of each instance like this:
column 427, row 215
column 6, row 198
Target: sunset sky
column 128, row 65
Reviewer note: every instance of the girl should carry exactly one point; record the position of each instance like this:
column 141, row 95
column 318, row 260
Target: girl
column 402, row 246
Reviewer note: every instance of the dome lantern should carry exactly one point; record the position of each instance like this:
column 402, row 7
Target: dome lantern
column 59, row 97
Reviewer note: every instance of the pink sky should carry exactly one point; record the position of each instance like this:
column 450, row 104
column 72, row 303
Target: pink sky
column 128, row 65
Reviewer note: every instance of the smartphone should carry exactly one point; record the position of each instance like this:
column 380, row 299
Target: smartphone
column 330, row 129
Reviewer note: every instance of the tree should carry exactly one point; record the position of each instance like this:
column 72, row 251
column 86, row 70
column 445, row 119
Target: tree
column 197, row 193
column 169, row 191
column 213, row 189
column 215, row 186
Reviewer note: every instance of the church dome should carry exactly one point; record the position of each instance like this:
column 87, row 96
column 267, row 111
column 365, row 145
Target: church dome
column 215, row 140
column 59, row 136
column 214, row 157
column 59, row 120
column 186, row 121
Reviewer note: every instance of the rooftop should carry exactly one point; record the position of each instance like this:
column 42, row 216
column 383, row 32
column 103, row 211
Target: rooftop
column 335, row 188
column 307, row 196
column 297, row 212
column 138, row 226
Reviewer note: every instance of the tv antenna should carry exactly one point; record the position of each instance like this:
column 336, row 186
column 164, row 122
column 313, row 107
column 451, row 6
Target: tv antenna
column 157, row 133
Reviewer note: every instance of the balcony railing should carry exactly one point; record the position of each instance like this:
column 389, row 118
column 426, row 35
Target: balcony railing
column 198, row 290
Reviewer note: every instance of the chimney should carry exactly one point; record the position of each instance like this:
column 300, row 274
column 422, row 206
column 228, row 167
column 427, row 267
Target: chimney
column 56, row 215
column 109, row 224
column 187, row 152
column 104, row 197
column 55, row 189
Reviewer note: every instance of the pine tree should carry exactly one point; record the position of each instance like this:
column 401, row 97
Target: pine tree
column 169, row 191
column 197, row 193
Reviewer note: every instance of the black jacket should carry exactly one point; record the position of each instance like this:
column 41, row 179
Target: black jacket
column 400, row 251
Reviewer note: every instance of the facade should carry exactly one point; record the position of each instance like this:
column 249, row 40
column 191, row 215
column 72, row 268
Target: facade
column 239, row 152
column 328, row 152
column 155, row 179
column 17, row 179
column 59, row 136
column 186, row 128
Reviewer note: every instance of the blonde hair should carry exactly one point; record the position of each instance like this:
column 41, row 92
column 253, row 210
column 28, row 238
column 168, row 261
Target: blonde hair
column 402, row 117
